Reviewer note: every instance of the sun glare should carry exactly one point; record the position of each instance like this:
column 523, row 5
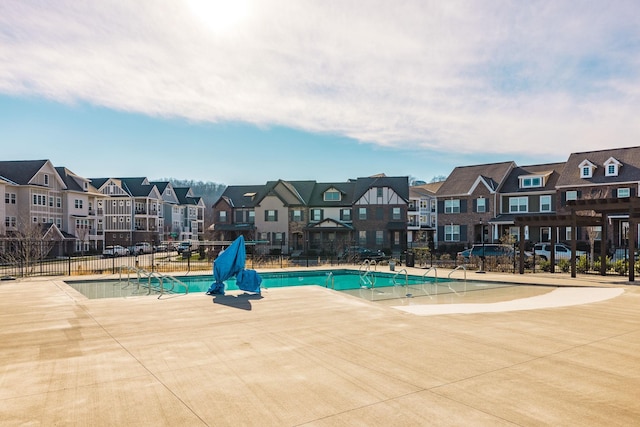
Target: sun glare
column 220, row 16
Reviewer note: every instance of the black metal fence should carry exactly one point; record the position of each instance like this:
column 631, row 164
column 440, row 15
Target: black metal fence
column 156, row 262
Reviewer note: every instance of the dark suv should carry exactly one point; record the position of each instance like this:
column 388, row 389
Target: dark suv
column 358, row 253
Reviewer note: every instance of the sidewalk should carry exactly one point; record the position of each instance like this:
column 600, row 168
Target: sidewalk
column 312, row 356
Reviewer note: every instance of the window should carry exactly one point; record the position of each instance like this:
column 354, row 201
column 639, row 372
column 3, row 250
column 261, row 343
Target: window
column 530, row 182
column 586, row 169
column 611, row 167
column 362, row 213
column 379, row 237
column 252, row 217
column 545, row 203
column 316, row 214
column 10, row 221
column 270, row 215
column 624, row 192
column 332, row 195
column 396, row 238
column 571, row 195
column 46, row 179
column 379, row 191
column 452, row 233
column 297, row 215
column 452, row 206
column 278, row 238
column 10, row 198
column 50, row 201
column 518, row 204
column 481, row 205
column 395, row 213
column 346, row 214
column 77, row 203
column 222, row 216
column 362, row 238
column 264, row 236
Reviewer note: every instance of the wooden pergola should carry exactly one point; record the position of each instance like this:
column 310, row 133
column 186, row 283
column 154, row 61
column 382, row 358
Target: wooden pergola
column 600, row 210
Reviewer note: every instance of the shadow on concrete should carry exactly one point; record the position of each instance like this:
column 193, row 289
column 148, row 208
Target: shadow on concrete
column 242, row 301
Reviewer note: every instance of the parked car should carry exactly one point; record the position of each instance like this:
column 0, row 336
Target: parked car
column 183, row 246
column 359, row 253
column 562, row 251
column 491, row 250
column 165, row 247
column 114, row 251
column 142, row 248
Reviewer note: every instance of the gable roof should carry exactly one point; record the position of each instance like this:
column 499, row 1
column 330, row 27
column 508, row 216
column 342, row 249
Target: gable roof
column 629, row 170
column 242, row 196
column 399, row 184
column 185, row 196
column 463, row 179
column 345, row 188
column 425, row 189
column 21, row 172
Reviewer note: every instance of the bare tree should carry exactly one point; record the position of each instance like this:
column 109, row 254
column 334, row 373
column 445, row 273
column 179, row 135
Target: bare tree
column 29, row 243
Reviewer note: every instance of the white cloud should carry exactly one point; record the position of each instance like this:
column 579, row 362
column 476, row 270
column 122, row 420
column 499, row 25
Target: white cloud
column 473, row 76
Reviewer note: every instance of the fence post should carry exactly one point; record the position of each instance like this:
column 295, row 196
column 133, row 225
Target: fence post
column 69, row 264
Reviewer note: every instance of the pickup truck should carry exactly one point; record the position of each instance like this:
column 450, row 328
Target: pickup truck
column 562, row 251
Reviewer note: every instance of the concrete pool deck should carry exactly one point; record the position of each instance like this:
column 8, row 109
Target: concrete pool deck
column 312, row 356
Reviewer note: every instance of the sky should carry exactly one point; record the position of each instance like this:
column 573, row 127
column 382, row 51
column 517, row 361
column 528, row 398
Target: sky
column 247, row 91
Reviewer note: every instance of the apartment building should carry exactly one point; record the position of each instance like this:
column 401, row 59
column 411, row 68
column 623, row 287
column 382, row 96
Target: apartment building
column 422, row 215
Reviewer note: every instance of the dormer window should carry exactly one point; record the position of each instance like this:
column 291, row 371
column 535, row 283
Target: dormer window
column 612, row 167
column 531, row 181
column 46, row 179
column 332, row 195
column 586, row 169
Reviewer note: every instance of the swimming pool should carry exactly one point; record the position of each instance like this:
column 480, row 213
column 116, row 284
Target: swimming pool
column 373, row 286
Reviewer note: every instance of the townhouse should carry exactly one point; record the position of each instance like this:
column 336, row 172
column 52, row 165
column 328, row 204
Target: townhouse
column 503, row 201
column 611, row 174
column 467, row 202
column 528, row 190
column 323, row 218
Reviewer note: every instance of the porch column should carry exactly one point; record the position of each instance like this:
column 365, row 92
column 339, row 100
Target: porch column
column 574, row 239
column 521, row 247
column 604, row 238
column 633, row 235
column 552, row 247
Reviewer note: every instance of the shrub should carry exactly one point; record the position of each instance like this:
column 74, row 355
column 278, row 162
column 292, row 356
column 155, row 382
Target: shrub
column 564, row 265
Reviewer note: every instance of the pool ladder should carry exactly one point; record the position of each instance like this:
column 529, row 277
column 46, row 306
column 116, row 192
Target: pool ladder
column 367, row 279
column 330, row 280
column 161, row 279
column 460, row 267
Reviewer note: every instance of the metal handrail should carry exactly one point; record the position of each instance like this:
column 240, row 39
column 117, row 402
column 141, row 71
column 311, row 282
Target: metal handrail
column 141, row 274
column 458, row 268
column 406, row 281
column 465, row 280
column 435, row 282
column 364, row 270
column 330, row 276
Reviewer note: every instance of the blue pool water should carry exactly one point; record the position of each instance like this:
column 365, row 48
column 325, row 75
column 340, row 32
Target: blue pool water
column 376, row 285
